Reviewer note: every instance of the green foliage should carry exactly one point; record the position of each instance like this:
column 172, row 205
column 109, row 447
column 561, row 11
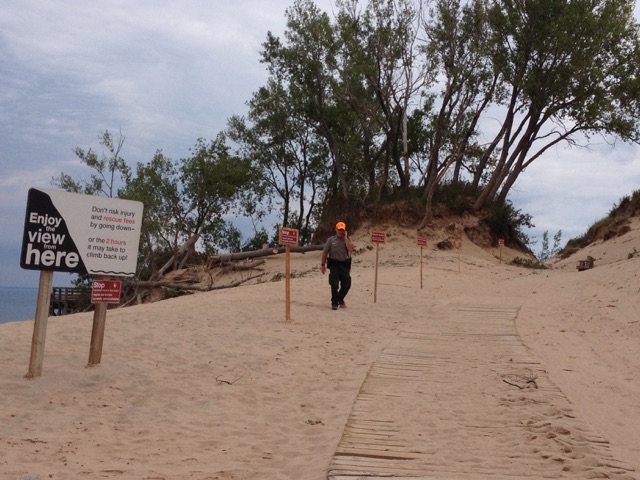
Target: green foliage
column 457, row 196
column 183, row 200
column 226, row 237
column 626, row 207
column 506, row 222
column 529, row 263
column 277, row 277
column 189, row 197
column 107, row 170
column 323, row 137
column 412, row 195
column 569, row 64
column 289, row 159
column 83, row 283
column 342, row 88
column 168, row 293
column 257, row 242
column 547, row 252
column 211, row 181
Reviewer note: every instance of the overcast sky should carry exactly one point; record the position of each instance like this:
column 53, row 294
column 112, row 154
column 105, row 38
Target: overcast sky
column 168, row 73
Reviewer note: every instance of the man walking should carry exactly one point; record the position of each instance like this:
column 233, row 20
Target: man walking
column 336, row 255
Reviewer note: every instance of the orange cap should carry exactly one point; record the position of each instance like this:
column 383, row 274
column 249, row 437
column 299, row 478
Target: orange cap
column 341, row 226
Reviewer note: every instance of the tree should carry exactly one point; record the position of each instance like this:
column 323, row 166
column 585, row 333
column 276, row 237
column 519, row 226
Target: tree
column 107, row 169
column 457, row 36
column 380, row 72
column 306, row 63
column 186, row 201
column 156, row 185
column 572, row 70
column 552, row 72
column 547, row 253
column 352, row 81
column 279, row 141
column 211, row 180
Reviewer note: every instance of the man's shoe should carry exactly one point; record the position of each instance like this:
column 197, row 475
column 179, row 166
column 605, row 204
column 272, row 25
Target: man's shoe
column 342, row 305
column 334, row 307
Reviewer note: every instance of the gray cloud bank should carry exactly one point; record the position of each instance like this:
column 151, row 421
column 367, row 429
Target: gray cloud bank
column 167, row 73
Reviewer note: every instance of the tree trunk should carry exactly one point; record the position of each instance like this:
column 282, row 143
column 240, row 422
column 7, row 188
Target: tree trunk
column 428, row 207
column 229, row 257
column 183, row 248
column 198, row 288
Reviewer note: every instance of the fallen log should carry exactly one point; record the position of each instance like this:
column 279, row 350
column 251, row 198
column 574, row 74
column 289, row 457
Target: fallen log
column 198, row 288
column 183, row 248
column 229, row 267
column 264, row 252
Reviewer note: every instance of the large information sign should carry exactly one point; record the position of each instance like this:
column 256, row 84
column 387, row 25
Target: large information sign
column 69, row 232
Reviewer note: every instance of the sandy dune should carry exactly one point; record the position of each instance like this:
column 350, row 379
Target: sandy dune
column 488, row 371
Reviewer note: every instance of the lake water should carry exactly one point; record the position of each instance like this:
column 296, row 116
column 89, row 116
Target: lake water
column 17, row 304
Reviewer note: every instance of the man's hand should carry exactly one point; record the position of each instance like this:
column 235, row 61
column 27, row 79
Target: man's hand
column 323, row 269
column 347, row 242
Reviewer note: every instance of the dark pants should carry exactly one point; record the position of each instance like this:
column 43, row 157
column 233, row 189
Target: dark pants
column 340, row 281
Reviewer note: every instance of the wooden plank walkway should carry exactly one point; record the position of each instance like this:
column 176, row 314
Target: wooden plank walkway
column 422, row 409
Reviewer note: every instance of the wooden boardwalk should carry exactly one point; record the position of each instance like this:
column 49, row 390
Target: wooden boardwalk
column 63, row 300
column 422, row 410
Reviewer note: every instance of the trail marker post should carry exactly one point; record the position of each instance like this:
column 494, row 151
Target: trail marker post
column 288, row 237
column 501, row 244
column 103, row 292
column 422, row 243
column 377, row 238
column 40, row 325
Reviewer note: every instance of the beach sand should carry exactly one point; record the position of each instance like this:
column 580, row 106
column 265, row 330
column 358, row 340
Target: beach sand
column 487, row 371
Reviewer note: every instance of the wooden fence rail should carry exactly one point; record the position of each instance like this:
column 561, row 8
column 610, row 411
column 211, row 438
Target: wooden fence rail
column 63, row 300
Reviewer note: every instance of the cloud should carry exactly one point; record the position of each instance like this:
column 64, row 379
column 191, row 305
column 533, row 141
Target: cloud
column 162, row 73
column 168, row 73
column 569, row 189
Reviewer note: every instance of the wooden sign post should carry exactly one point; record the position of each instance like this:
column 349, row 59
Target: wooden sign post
column 377, row 238
column 40, row 325
column 288, row 237
column 103, row 292
column 459, row 254
column 422, row 242
column 501, row 243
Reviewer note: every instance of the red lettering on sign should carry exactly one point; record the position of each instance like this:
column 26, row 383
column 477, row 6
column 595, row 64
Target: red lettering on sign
column 378, row 237
column 104, row 291
column 288, row 236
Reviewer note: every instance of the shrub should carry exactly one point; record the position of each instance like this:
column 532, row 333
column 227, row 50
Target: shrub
column 529, row 263
column 505, row 222
column 456, row 196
